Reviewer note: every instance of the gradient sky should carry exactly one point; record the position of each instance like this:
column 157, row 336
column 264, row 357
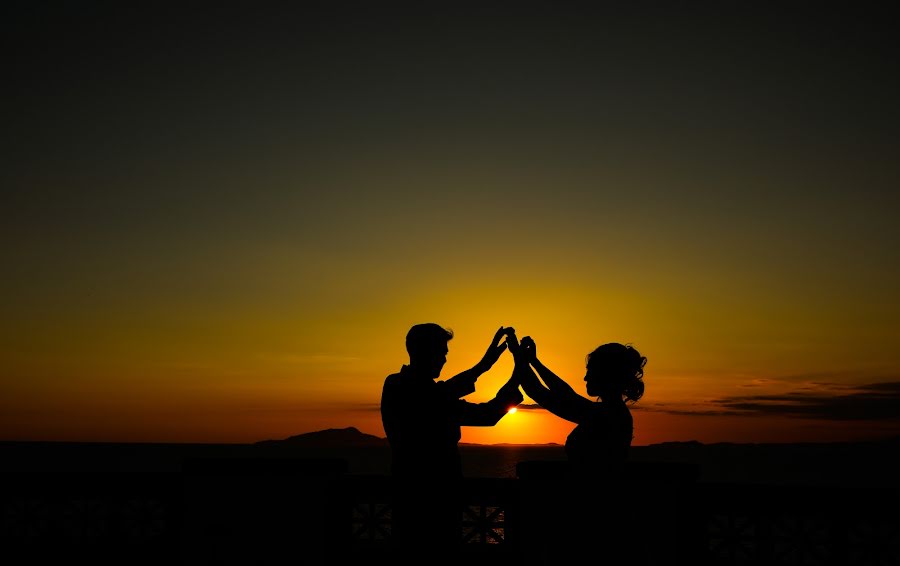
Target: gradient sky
column 219, row 225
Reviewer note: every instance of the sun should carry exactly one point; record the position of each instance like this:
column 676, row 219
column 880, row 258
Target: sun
column 512, row 410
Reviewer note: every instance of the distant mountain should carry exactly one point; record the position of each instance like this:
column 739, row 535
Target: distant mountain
column 332, row 437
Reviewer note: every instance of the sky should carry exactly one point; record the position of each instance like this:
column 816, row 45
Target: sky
column 219, row 222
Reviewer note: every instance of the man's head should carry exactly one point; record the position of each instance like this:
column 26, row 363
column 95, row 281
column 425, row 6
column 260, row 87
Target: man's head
column 427, row 347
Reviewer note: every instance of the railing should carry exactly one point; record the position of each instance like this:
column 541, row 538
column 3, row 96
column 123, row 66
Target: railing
column 757, row 524
column 223, row 511
column 52, row 518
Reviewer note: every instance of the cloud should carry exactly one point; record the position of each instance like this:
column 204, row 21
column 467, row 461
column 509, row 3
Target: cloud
column 756, row 383
column 824, row 401
column 681, row 409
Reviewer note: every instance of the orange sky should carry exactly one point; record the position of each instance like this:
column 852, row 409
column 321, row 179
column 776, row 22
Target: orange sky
column 219, row 227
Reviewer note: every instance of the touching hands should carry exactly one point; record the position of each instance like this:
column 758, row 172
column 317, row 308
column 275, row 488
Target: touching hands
column 524, row 352
column 518, row 350
column 510, row 390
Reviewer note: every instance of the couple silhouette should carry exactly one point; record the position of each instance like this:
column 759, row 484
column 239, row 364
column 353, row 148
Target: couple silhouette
column 422, row 418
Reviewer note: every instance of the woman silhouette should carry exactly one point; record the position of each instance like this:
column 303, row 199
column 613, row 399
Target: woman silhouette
column 600, row 441
column 590, row 502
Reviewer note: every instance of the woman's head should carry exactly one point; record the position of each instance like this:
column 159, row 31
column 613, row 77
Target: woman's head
column 615, row 371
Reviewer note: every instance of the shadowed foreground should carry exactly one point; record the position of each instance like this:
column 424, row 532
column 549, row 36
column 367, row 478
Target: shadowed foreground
column 227, row 510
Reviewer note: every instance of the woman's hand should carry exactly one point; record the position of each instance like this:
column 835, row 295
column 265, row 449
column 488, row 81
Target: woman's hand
column 528, row 350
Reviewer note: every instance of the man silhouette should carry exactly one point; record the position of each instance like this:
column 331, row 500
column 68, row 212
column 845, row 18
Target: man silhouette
column 422, row 418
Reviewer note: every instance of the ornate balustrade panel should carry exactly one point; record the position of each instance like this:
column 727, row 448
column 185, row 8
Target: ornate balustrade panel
column 489, row 515
column 782, row 525
column 104, row 518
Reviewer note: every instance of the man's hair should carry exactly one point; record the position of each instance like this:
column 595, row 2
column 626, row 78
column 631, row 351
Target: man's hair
column 424, row 338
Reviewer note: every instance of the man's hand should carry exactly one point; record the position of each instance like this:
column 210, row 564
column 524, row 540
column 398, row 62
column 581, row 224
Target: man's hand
column 520, row 354
column 511, row 341
column 510, row 392
column 517, row 397
column 494, row 350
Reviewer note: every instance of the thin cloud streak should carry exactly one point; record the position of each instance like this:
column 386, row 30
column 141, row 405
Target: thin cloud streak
column 821, row 401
